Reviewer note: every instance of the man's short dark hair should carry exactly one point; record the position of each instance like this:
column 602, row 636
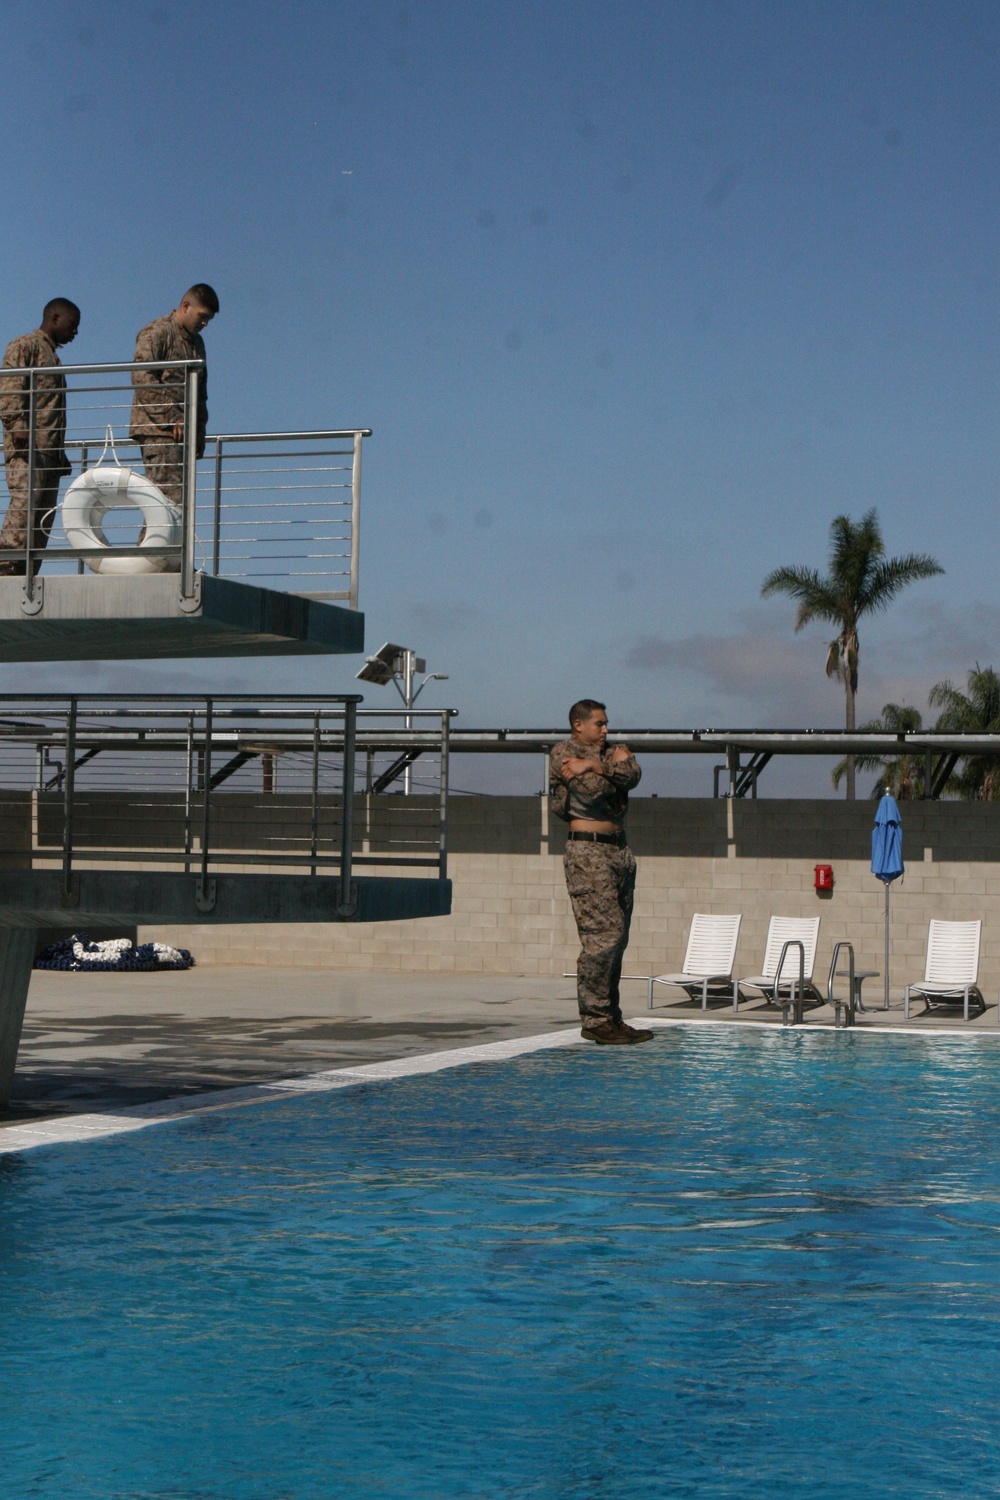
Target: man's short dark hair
column 59, row 304
column 582, row 711
column 204, row 295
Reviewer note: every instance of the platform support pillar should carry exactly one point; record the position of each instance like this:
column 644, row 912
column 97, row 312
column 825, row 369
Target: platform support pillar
column 17, row 959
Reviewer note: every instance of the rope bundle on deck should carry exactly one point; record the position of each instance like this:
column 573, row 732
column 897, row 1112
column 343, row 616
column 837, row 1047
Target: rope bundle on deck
column 117, row 955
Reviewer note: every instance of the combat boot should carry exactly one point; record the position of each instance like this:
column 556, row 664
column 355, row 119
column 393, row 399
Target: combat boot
column 615, row 1034
column 635, row 1033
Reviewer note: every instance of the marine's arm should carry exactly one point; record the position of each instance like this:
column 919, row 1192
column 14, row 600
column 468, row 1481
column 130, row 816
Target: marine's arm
column 14, row 391
column 566, row 763
column 558, row 789
column 622, row 768
column 157, row 398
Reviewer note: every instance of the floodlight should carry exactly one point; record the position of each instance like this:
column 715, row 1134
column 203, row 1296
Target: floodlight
column 382, row 667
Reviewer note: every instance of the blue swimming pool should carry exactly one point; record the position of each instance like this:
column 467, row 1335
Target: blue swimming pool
column 727, row 1264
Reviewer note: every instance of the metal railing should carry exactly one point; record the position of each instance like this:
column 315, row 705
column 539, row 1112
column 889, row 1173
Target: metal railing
column 275, row 508
column 279, row 508
column 217, row 784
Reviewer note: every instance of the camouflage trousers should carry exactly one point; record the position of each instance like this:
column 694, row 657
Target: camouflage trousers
column 164, row 465
column 600, row 879
column 14, row 533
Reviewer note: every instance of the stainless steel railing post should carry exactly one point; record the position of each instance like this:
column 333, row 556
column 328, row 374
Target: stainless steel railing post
column 69, row 787
column 84, row 460
column 29, row 566
column 205, row 895
column 314, row 826
column 347, row 905
column 188, row 776
column 192, row 378
column 443, row 798
column 355, row 519
column 217, row 507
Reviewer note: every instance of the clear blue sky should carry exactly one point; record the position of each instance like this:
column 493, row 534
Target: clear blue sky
column 635, row 296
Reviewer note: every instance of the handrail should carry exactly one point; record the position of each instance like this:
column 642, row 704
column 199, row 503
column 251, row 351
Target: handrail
column 319, row 435
column 266, row 505
column 9, row 371
column 850, row 1003
column 795, row 997
column 114, row 812
column 323, row 435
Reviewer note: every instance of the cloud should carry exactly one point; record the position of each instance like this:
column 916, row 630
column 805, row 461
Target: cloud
column 439, row 618
column 938, row 639
column 778, row 678
column 764, row 674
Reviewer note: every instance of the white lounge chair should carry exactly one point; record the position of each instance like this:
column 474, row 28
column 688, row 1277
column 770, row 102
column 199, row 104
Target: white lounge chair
column 952, row 968
column 780, row 969
column 709, row 960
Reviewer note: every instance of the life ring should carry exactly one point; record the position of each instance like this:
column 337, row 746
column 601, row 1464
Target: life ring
column 94, row 492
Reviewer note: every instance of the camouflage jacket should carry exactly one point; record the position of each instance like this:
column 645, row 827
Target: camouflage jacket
column 601, row 794
column 33, row 349
column 158, row 402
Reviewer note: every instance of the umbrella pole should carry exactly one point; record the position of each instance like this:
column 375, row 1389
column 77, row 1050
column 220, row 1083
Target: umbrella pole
column 886, row 1004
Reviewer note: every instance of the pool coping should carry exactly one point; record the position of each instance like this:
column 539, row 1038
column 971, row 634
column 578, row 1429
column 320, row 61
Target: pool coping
column 100, row 1125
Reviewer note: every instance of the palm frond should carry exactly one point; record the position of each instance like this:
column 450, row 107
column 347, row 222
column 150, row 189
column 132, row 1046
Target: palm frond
column 903, row 774
column 816, row 599
column 890, row 576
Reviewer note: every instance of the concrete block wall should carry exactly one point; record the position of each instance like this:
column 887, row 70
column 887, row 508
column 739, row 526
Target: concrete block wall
column 511, row 914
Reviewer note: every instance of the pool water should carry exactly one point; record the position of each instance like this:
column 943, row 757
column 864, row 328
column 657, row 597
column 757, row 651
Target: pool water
column 729, row 1263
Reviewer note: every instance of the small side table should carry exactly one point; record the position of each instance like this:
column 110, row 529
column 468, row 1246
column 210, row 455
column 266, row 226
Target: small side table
column 859, row 978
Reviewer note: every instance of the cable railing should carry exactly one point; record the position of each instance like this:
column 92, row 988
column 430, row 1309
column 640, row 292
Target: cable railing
column 271, row 508
column 215, row 784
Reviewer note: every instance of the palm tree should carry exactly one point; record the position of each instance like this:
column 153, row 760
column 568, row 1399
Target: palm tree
column 977, row 710
column 901, row 775
column 861, row 581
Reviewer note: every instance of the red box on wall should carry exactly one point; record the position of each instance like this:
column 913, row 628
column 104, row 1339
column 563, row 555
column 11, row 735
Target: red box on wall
column 823, row 877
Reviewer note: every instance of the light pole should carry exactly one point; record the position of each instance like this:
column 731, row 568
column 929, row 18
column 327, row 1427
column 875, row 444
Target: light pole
column 400, row 665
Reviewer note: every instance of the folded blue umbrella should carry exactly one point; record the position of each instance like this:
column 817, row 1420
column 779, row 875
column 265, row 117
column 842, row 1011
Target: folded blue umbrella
column 887, row 841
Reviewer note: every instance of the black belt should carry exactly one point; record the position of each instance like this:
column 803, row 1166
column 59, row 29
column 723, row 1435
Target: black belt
column 597, row 838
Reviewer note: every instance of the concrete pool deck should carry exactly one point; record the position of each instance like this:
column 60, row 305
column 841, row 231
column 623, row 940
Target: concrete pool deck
column 108, row 1041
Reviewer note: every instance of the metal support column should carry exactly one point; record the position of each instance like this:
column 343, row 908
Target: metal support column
column 17, row 959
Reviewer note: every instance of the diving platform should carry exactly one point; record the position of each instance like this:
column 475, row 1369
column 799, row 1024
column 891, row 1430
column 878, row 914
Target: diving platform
column 161, row 810
column 126, row 899
column 251, row 548
column 127, row 617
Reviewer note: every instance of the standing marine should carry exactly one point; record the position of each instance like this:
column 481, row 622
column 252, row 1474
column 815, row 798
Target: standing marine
column 157, row 423
column 60, row 321
column 589, row 785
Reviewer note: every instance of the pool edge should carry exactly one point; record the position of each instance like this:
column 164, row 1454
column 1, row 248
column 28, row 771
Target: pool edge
column 98, row 1125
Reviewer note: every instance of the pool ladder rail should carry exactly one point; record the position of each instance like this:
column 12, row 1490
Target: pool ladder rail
column 845, row 1010
column 855, row 979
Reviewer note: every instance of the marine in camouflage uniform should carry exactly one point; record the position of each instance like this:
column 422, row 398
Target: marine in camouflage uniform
column 158, row 401
column 51, row 463
column 600, row 876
